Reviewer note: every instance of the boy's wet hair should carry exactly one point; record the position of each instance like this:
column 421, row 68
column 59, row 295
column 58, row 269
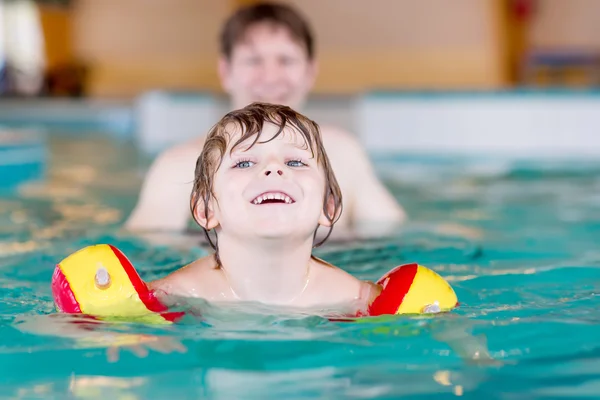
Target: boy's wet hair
column 250, row 121
column 277, row 14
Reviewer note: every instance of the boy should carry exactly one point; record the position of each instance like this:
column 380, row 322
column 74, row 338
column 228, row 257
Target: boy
column 267, row 54
column 263, row 186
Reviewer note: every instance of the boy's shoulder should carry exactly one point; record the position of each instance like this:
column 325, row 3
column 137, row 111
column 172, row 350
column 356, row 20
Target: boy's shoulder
column 194, row 280
column 343, row 287
column 329, row 274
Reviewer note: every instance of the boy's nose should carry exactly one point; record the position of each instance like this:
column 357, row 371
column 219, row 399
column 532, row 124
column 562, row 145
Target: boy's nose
column 268, row 172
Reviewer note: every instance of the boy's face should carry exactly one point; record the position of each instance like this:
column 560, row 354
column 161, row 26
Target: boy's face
column 273, row 190
column 268, row 66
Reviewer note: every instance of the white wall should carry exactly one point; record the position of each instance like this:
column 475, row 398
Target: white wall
column 487, row 124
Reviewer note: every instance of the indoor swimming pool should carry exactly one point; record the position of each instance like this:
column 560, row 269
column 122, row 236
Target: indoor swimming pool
column 517, row 239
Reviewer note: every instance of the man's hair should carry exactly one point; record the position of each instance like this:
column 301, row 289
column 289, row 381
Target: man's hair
column 277, row 14
column 250, row 121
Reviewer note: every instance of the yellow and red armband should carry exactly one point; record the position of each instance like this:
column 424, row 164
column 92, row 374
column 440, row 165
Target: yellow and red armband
column 413, row 289
column 101, row 282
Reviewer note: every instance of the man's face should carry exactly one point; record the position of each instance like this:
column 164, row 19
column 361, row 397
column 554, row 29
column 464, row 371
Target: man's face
column 268, row 66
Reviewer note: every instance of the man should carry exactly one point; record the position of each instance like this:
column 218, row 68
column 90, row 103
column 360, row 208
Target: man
column 267, row 55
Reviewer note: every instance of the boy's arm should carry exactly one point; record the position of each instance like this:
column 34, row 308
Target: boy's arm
column 164, row 200
column 89, row 333
column 455, row 331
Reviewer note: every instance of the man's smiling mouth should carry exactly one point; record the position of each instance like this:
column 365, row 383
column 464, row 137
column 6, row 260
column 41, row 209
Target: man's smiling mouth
column 272, row 198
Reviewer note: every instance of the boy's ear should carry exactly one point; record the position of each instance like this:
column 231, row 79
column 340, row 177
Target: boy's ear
column 204, row 214
column 323, row 220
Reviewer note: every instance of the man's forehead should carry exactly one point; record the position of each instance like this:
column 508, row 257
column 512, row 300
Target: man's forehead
column 256, row 32
column 268, row 33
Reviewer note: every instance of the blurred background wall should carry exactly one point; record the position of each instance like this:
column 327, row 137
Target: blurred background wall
column 150, row 44
column 121, row 48
column 569, row 24
column 361, row 45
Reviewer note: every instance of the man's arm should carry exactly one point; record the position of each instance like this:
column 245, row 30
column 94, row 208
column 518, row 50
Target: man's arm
column 164, row 200
column 372, row 206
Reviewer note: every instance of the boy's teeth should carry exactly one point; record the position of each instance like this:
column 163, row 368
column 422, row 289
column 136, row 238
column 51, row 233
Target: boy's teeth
column 271, row 196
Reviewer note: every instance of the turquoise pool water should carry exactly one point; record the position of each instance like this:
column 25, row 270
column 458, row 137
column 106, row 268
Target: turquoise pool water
column 518, row 240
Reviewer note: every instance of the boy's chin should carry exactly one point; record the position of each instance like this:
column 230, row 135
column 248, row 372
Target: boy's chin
column 282, row 232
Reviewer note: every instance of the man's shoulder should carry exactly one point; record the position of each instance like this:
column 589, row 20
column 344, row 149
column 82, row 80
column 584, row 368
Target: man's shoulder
column 334, row 132
column 191, row 148
column 181, row 157
column 340, row 140
column 341, row 144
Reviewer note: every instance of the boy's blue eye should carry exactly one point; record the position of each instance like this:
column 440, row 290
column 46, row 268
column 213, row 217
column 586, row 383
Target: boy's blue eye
column 244, row 164
column 295, row 163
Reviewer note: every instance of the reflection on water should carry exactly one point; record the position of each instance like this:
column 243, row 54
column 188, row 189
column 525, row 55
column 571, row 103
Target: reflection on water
column 519, row 242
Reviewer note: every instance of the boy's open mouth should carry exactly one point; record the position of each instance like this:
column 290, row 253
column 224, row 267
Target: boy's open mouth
column 273, row 198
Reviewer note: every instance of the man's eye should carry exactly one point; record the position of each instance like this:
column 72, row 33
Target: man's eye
column 287, row 61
